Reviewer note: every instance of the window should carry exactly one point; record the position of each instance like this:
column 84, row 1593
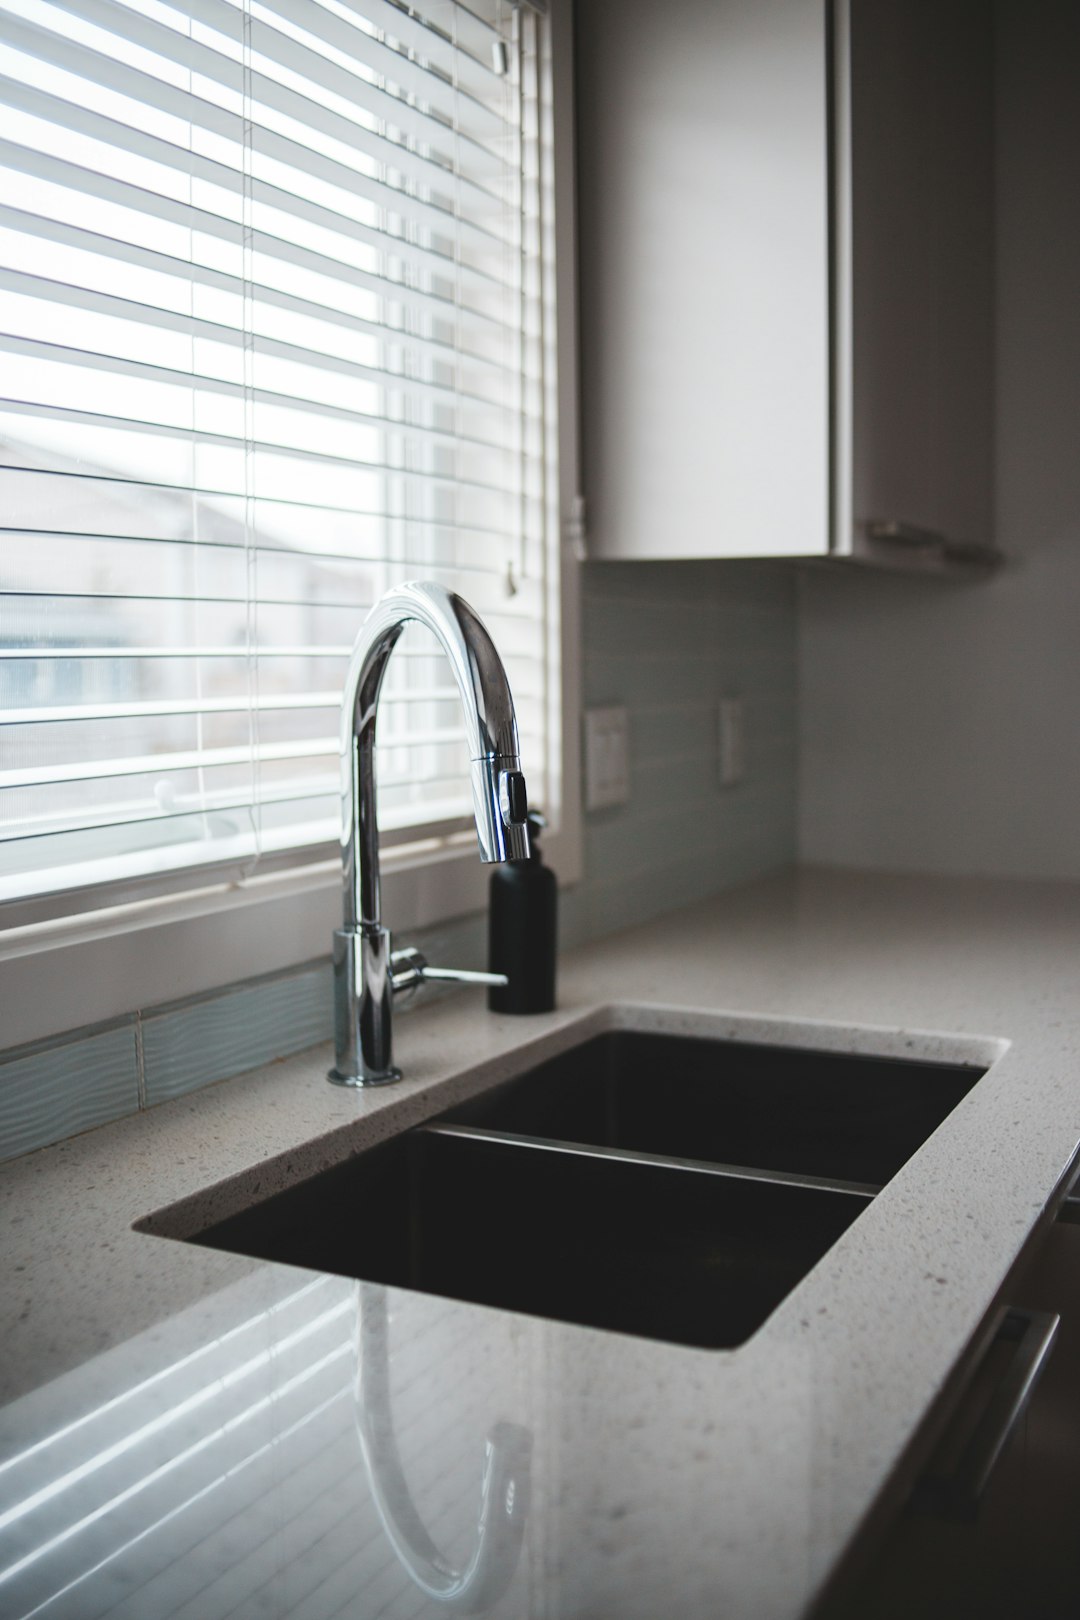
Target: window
column 277, row 316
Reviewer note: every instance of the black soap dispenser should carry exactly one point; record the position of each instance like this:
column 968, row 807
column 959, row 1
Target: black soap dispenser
column 521, row 931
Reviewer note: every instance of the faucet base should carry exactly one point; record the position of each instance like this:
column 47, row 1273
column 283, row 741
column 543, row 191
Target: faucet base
column 336, row 1078
column 363, row 991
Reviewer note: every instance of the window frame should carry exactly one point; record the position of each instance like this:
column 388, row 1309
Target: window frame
column 87, row 955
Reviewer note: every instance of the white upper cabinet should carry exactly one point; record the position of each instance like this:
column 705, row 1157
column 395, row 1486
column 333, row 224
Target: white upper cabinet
column 704, row 276
column 785, row 239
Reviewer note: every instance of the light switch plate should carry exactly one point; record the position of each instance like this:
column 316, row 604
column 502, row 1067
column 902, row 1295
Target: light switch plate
column 607, row 757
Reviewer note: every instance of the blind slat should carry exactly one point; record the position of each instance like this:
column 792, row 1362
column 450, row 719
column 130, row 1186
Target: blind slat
column 492, row 569
column 397, row 529
column 235, row 183
column 469, row 49
column 238, row 442
column 360, row 247
column 411, row 345
column 275, row 49
column 157, row 653
column 38, row 349
column 245, row 346
column 325, row 788
column 192, row 598
column 156, row 95
column 196, row 759
column 70, row 295
column 85, row 181
column 186, row 760
column 459, row 93
column 208, row 705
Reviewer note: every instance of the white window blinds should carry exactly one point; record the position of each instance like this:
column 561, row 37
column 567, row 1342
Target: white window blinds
column 274, row 335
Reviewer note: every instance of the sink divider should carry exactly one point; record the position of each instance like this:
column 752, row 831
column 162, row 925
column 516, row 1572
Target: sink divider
column 590, row 1150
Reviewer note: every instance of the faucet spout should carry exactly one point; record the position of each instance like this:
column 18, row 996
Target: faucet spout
column 363, row 977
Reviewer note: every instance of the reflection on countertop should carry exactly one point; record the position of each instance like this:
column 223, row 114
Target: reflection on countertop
column 239, row 1478
column 235, row 1478
column 188, row 1433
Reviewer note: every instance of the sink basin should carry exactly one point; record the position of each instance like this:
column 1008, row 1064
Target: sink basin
column 835, row 1116
column 653, row 1184
column 693, row 1257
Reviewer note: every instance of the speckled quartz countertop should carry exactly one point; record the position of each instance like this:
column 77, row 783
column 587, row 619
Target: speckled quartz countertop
column 181, row 1429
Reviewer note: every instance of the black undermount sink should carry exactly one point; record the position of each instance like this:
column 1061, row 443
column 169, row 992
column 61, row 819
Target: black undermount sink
column 838, row 1116
column 652, row 1184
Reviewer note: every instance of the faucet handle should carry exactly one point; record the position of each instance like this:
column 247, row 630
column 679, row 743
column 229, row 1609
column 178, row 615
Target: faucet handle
column 513, row 799
column 409, row 969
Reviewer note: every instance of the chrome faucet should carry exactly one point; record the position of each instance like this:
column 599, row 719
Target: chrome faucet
column 366, row 974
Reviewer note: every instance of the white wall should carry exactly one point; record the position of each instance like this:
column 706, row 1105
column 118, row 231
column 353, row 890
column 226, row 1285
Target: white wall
column 940, row 727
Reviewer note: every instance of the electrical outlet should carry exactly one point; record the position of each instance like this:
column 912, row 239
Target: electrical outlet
column 731, row 736
column 607, row 757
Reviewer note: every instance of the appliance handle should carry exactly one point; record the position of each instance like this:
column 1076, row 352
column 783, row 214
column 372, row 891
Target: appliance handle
column 955, row 1494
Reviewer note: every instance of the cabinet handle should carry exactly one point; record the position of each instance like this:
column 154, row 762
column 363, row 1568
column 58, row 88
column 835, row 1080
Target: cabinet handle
column 905, row 534
column 955, row 1495
column 892, row 532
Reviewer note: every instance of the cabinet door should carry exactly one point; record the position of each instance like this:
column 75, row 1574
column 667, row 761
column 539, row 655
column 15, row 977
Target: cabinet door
column 915, row 271
column 703, row 161
column 1020, row 1555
